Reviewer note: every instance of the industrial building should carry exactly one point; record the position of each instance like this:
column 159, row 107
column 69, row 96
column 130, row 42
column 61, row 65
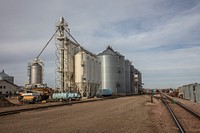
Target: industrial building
column 191, row 92
column 7, row 86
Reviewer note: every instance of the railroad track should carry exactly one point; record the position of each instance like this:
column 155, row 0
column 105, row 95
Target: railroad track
column 16, row 111
column 174, row 114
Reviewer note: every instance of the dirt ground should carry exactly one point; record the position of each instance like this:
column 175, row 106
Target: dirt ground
column 121, row 115
column 5, row 103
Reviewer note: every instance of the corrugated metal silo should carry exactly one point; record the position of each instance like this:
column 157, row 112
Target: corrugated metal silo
column 85, row 73
column 95, row 71
column 132, row 79
column 109, row 72
column 99, row 72
column 127, row 77
column 36, row 72
column 121, row 81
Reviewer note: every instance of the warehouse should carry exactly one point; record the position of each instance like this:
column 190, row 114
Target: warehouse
column 7, row 88
column 191, row 92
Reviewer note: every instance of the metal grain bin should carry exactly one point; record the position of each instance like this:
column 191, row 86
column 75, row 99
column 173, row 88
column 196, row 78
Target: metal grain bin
column 109, row 72
column 112, row 71
column 127, row 77
column 36, row 73
column 121, row 63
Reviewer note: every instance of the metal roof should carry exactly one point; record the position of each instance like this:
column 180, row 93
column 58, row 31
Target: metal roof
column 8, row 82
column 3, row 73
column 110, row 51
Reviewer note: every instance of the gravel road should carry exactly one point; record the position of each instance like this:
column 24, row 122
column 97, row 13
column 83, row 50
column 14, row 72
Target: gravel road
column 121, row 115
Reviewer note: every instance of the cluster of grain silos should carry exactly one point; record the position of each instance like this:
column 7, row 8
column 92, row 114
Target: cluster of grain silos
column 79, row 70
column 87, row 73
column 82, row 72
column 117, row 73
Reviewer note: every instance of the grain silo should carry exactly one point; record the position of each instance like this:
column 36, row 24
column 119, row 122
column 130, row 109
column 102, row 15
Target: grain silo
column 127, row 77
column 85, row 73
column 35, row 73
column 121, row 75
column 112, row 71
column 132, row 86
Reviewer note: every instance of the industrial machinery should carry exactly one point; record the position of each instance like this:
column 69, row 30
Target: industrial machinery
column 34, row 95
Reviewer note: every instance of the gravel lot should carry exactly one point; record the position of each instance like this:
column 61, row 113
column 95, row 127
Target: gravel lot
column 123, row 115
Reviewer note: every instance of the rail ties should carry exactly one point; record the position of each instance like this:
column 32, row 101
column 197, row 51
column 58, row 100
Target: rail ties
column 197, row 115
column 180, row 127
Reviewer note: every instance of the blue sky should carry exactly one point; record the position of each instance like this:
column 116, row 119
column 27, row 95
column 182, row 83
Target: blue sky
column 160, row 37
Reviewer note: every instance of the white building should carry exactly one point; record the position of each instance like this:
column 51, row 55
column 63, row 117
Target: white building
column 7, row 88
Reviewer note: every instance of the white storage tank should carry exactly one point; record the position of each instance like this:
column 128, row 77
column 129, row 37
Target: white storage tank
column 82, row 67
column 85, row 73
column 79, row 66
column 92, row 69
column 96, row 72
column 89, row 68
